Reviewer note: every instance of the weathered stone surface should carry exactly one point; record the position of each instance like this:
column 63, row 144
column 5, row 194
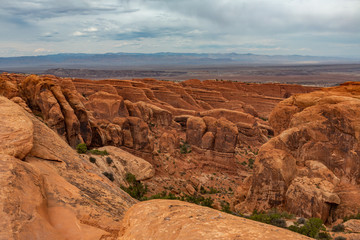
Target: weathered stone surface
column 232, row 116
column 74, row 99
column 16, row 130
column 65, row 198
column 168, row 142
column 154, row 115
column 126, row 162
column 107, row 106
column 166, row 219
column 352, row 225
column 226, row 136
column 207, row 141
column 312, row 167
column 195, row 129
column 140, row 134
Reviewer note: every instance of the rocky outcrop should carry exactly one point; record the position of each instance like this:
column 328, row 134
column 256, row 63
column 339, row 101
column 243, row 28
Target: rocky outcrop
column 222, row 135
column 105, row 105
column 166, row 219
column 54, row 193
column 204, row 130
column 16, row 130
column 125, row 162
column 311, row 167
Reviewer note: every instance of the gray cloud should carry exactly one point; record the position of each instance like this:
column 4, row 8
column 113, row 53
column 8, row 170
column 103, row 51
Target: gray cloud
column 314, row 27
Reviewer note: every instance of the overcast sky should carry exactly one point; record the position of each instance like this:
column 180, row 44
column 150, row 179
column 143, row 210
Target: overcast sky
column 305, row 27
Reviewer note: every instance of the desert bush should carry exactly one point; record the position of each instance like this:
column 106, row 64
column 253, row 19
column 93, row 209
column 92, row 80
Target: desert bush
column 301, row 220
column 338, row 228
column 185, row 148
column 198, row 199
column 92, row 159
column 225, row 207
column 81, row 148
column 279, row 222
column 340, row 238
column 251, row 163
column 356, row 216
column 162, row 195
column 110, row 176
column 136, row 189
column 109, row 160
column 273, row 217
column 312, row 228
column 213, row 190
column 98, row 152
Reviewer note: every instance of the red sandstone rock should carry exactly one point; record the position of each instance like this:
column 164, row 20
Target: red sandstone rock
column 311, row 167
column 166, row 219
column 16, row 130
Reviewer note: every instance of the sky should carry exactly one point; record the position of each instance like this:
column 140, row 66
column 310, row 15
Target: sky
column 270, row 27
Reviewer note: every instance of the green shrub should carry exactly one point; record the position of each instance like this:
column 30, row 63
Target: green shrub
column 98, row 152
column 162, row 195
column 338, row 228
column 109, row 160
column 273, row 217
column 110, row 176
column 340, row 238
column 185, row 148
column 198, row 199
column 357, row 216
column 81, row 148
column 279, row 222
column 311, row 228
column 207, row 202
column 301, row 220
column 213, row 190
column 203, row 190
column 225, row 207
column 324, row 236
column 251, row 163
column 92, row 159
column 136, row 189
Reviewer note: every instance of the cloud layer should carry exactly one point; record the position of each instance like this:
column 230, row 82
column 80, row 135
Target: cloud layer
column 306, row 27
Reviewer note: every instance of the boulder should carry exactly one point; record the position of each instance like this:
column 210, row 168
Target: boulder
column 128, row 163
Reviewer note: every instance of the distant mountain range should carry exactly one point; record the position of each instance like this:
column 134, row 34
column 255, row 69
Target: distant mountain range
column 157, row 60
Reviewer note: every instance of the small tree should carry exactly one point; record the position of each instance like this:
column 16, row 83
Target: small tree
column 81, row 148
column 136, row 189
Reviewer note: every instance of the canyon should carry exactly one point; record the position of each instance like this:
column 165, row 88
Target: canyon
column 247, row 146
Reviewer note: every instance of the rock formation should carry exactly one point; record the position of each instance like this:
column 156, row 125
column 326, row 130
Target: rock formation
column 53, row 193
column 184, row 137
column 311, row 168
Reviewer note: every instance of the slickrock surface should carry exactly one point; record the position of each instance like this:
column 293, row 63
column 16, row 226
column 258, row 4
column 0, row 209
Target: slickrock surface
column 312, row 166
column 175, row 220
column 53, row 194
column 16, row 130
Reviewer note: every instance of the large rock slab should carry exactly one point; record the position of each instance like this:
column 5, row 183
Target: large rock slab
column 55, row 194
column 170, row 220
column 16, row 130
column 128, row 163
